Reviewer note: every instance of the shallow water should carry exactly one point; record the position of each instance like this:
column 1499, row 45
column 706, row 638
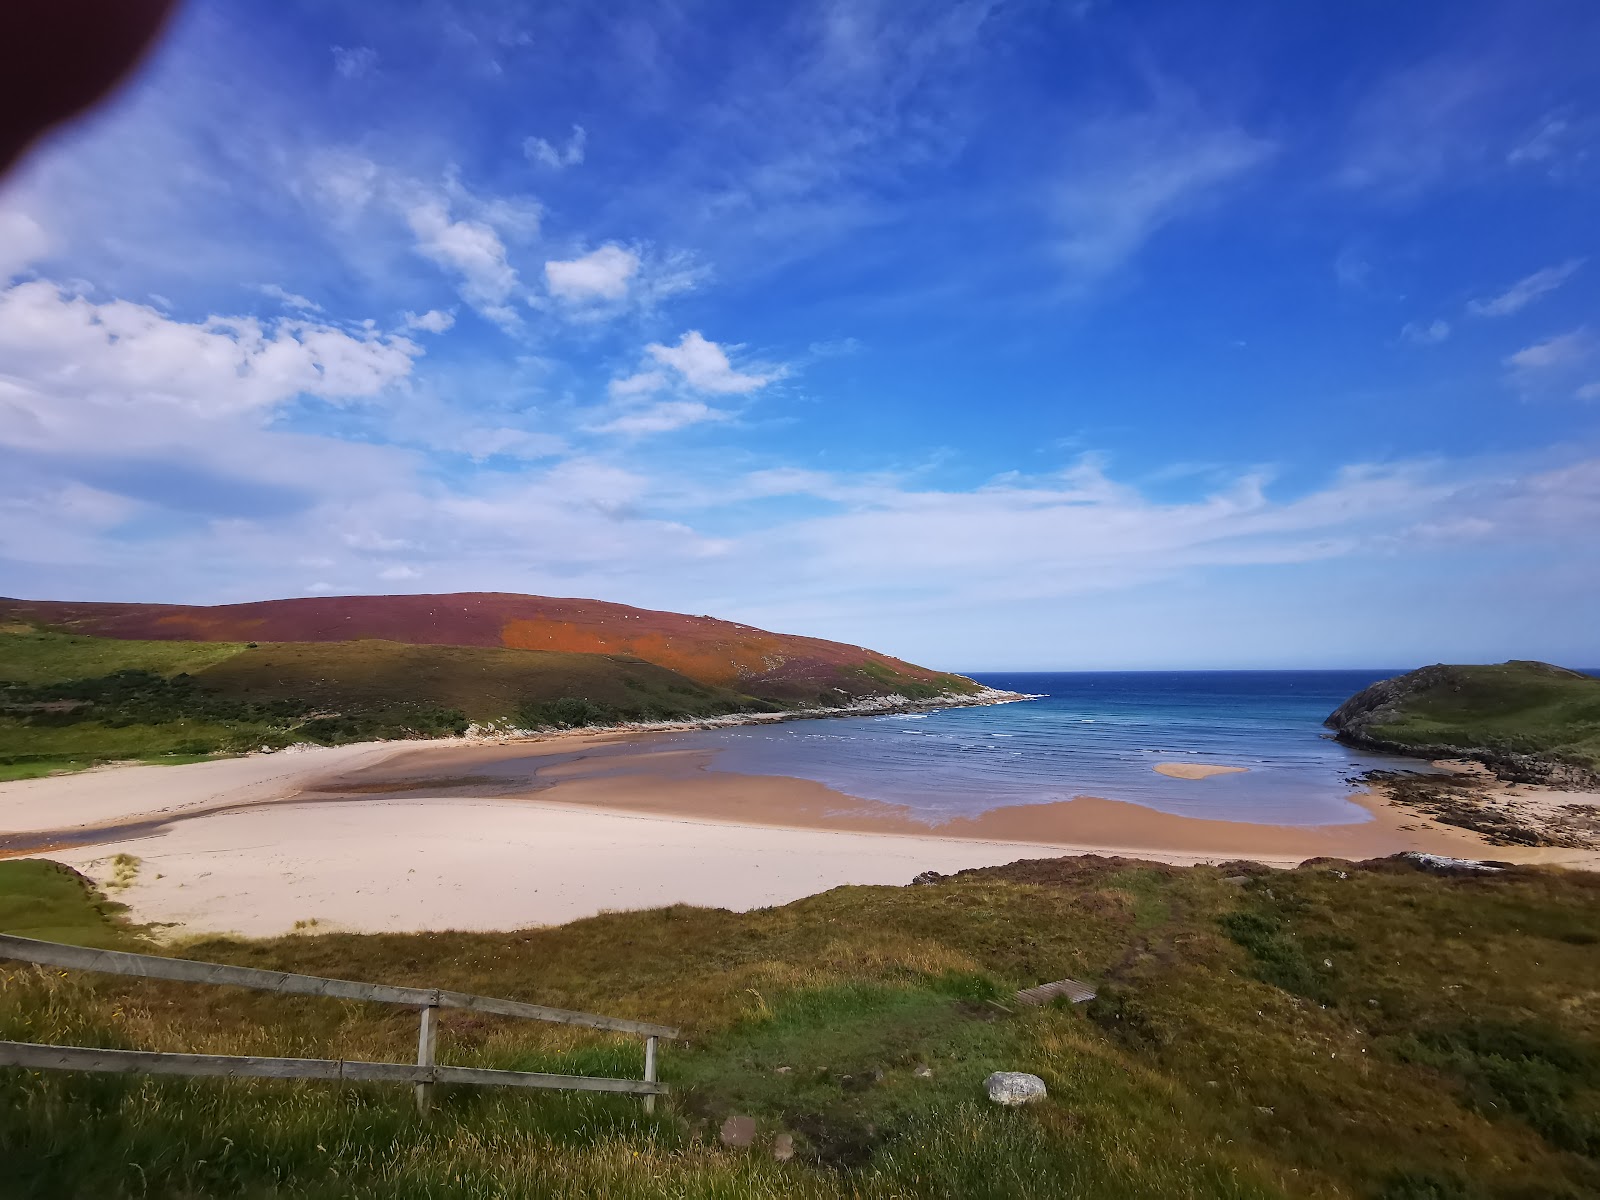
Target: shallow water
column 1098, row 734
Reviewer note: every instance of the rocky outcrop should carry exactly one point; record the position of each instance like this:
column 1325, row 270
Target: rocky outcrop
column 1360, row 722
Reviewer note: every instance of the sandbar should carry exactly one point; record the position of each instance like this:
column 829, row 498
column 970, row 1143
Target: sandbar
column 1175, row 770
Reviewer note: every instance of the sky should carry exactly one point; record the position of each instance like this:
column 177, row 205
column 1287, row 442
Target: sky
column 995, row 335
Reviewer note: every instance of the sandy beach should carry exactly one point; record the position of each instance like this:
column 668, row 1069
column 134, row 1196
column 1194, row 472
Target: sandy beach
column 424, row 835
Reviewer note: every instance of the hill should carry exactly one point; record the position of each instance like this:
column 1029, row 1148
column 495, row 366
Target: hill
column 1326, row 1032
column 1528, row 721
column 785, row 668
column 69, row 701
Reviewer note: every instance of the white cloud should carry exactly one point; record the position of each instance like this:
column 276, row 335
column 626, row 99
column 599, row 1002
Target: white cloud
column 433, row 321
column 704, row 366
column 557, row 158
column 1559, row 365
column 1430, row 334
column 287, row 298
column 355, row 62
column 1563, row 350
column 23, row 242
column 399, row 571
column 472, row 250
column 479, row 444
column 1589, row 391
column 602, row 274
column 1127, row 177
column 662, row 418
column 1525, row 291
column 642, row 383
column 56, row 344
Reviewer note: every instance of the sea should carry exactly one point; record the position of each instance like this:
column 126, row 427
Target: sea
column 1087, row 734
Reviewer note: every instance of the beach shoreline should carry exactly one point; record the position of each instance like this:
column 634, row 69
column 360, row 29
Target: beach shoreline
column 392, row 836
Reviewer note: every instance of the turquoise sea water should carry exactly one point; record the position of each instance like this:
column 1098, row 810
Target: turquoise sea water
column 1098, row 734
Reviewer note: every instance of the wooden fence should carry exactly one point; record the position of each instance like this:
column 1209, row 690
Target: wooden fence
column 428, row 1001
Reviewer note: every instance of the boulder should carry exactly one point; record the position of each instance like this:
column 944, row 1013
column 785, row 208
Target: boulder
column 1014, row 1087
column 738, row 1132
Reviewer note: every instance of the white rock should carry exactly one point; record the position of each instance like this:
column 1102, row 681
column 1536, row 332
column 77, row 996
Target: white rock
column 1014, row 1087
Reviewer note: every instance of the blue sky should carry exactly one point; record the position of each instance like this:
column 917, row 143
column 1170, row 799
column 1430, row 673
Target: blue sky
column 996, row 335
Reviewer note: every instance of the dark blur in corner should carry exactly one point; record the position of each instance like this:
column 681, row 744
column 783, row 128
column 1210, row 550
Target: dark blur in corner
column 58, row 58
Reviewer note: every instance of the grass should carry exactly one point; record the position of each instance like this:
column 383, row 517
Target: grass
column 1334, row 1031
column 34, row 656
column 1521, row 707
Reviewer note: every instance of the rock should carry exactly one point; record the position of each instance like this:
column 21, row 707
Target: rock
column 783, row 1147
column 738, row 1132
column 782, row 1070
column 1014, row 1087
column 928, row 877
column 923, row 1072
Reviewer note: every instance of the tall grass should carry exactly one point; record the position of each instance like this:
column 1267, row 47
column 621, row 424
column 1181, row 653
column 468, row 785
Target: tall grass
column 1385, row 1034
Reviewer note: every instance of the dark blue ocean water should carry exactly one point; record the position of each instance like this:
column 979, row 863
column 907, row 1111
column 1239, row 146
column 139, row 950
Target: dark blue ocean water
column 1092, row 733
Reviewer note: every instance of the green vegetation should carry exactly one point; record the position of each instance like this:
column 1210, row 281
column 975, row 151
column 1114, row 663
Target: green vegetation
column 41, row 899
column 1336, row 1031
column 175, row 701
column 33, row 656
column 1497, row 713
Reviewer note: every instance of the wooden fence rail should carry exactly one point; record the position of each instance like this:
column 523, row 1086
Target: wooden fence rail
column 428, row 1001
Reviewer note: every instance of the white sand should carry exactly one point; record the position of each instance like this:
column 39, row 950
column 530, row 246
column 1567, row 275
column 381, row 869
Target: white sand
column 495, row 864
column 127, row 792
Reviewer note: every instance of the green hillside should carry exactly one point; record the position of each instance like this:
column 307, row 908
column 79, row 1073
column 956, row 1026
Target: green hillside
column 70, row 701
column 1335, row 1031
column 1502, row 714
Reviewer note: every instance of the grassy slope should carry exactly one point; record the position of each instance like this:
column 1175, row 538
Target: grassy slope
column 382, row 682
column 1518, row 706
column 1386, row 1034
column 32, row 656
column 483, row 682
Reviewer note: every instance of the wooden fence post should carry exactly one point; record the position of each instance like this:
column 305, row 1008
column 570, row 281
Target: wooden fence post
column 427, row 1035
column 650, row 1071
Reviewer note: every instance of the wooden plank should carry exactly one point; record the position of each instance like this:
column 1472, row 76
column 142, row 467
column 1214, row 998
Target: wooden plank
column 533, row 1079
column 427, row 1039
column 151, row 966
column 560, row 1016
column 80, row 1058
column 650, row 1071
column 1046, row 992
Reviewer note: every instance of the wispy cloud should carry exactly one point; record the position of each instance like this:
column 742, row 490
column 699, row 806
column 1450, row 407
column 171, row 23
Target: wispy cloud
column 557, row 158
column 1420, row 125
column 1425, row 334
column 287, row 298
column 355, row 62
column 1525, row 291
column 1125, row 178
column 1563, row 350
column 1557, row 364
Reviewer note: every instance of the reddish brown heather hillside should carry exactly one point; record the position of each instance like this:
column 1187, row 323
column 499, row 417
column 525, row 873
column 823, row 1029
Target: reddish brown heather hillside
column 713, row 652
